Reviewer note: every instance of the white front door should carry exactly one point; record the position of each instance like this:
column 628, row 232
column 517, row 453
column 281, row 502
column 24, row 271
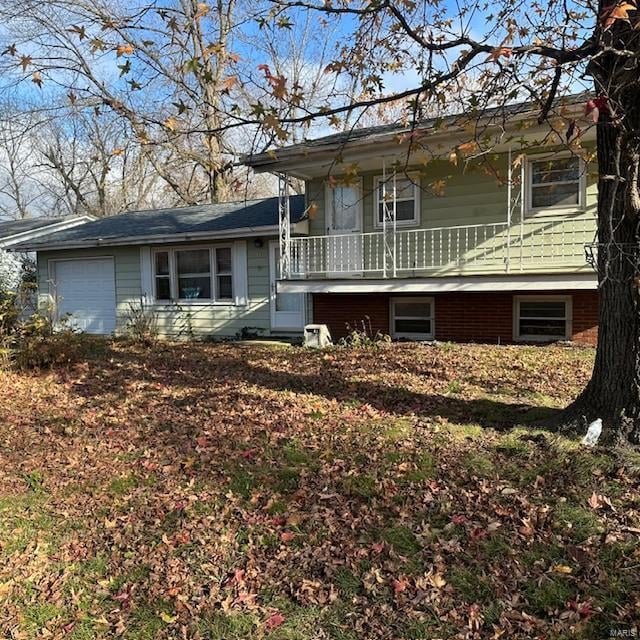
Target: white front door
column 287, row 309
column 344, row 244
column 85, row 294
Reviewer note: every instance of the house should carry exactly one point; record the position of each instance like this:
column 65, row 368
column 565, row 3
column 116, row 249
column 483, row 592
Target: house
column 14, row 232
column 202, row 271
column 416, row 232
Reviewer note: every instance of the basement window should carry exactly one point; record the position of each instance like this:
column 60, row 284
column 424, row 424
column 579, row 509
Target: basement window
column 544, row 318
column 412, row 318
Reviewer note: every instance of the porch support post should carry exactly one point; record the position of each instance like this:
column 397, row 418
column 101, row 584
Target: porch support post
column 284, row 226
column 523, row 193
column 509, row 207
column 395, row 227
column 384, row 216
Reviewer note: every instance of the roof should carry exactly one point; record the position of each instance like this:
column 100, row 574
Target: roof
column 177, row 223
column 382, row 133
column 14, row 232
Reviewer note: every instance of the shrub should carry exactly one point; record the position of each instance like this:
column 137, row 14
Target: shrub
column 32, row 343
column 142, row 323
column 361, row 334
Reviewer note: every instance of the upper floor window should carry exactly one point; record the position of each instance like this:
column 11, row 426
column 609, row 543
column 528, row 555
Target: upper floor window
column 407, row 200
column 555, row 183
column 203, row 273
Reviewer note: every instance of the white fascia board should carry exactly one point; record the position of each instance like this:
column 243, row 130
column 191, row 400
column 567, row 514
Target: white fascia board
column 298, row 228
column 25, row 236
column 462, row 284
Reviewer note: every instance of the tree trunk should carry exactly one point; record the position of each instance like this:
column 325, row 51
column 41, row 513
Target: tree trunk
column 613, row 392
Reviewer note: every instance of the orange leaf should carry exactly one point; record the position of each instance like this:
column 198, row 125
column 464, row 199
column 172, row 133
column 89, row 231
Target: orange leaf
column 228, row 83
column 498, row 52
column 619, row 11
column 124, row 50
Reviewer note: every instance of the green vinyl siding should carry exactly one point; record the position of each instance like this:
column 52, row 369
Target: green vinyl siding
column 550, row 241
column 179, row 319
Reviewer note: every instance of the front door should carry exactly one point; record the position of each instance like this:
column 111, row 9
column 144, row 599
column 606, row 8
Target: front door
column 287, row 309
column 344, row 244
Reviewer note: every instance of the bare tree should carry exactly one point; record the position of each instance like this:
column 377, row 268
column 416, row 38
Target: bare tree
column 20, row 188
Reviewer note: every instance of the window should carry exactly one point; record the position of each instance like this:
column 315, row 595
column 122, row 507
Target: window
column 224, row 281
column 542, row 318
column 407, row 200
column 555, row 183
column 194, row 274
column 162, row 276
column 412, row 318
column 202, row 273
column 345, row 201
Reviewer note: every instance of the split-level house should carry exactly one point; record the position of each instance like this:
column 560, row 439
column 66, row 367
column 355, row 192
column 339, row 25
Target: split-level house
column 421, row 234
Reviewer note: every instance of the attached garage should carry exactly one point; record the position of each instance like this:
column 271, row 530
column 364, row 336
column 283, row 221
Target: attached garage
column 85, row 291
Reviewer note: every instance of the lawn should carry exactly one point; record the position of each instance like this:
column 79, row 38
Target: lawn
column 259, row 491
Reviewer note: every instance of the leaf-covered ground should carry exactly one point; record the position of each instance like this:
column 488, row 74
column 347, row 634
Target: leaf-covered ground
column 257, row 491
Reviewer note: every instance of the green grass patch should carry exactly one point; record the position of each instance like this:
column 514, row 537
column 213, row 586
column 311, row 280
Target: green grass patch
column 547, row 595
column 478, row 464
column 360, row 485
column 402, row 540
column 578, row 522
column 471, row 585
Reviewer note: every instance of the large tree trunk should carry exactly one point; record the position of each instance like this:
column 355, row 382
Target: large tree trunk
column 613, row 393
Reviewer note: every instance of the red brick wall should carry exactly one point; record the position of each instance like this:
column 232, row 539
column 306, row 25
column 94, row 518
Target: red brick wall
column 462, row 317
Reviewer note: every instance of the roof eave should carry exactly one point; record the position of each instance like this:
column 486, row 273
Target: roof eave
column 294, row 160
column 243, row 232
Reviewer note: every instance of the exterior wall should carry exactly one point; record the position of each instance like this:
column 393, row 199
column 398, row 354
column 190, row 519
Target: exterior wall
column 472, row 197
column 179, row 319
column 460, row 317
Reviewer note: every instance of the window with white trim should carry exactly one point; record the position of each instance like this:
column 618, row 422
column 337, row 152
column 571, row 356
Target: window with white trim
column 412, row 318
column 193, row 274
column 542, row 318
column 407, row 199
column 555, row 183
column 162, row 275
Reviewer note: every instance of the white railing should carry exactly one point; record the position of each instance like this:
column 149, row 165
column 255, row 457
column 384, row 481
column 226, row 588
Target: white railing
column 493, row 247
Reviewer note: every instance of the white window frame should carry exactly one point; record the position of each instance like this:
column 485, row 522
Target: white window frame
column 559, row 208
column 411, row 336
column 568, row 317
column 329, row 189
column 415, row 180
column 173, row 275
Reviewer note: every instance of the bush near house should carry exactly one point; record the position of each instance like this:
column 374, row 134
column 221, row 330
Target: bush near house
column 227, row 491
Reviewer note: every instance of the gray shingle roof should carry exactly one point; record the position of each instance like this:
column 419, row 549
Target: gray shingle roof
column 199, row 220
column 13, row 227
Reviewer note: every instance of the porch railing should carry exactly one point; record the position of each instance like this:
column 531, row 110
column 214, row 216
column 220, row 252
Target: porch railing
column 495, row 247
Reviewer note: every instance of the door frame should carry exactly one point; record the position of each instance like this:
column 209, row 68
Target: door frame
column 274, row 254
column 358, row 257
column 360, row 208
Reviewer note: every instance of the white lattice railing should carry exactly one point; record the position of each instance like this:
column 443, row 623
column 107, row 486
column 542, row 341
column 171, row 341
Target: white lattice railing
column 489, row 247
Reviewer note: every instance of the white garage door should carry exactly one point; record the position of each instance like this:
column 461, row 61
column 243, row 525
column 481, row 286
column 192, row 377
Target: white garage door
column 86, row 290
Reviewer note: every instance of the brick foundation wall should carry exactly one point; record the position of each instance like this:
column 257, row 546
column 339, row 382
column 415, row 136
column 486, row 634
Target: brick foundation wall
column 459, row 317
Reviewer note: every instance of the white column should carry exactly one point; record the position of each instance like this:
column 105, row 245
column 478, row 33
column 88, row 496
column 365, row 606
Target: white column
column 284, row 226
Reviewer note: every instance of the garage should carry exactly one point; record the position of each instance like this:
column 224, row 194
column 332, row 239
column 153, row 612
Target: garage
column 85, row 291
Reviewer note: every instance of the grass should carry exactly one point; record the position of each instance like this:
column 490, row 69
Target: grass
column 233, row 492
